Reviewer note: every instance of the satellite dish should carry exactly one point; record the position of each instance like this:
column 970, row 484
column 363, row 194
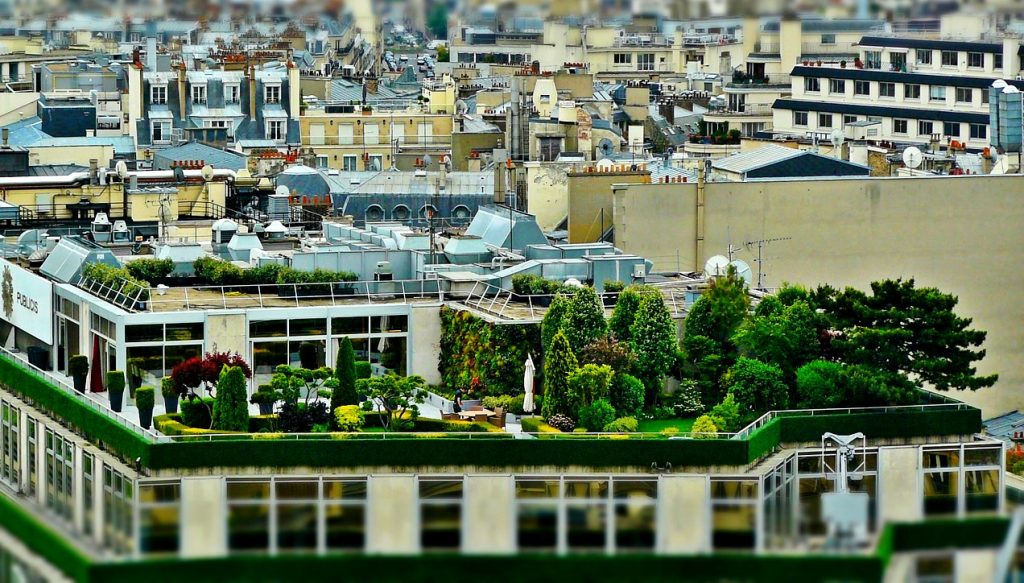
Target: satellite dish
column 207, row 172
column 122, row 169
column 375, row 164
column 912, row 157
column 743, row 270
column 282, row 190
column 837, row 138
column 606, row 146
column 716, row 266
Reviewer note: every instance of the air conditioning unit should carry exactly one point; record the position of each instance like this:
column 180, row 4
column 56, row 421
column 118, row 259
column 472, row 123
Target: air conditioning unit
column 639, row 271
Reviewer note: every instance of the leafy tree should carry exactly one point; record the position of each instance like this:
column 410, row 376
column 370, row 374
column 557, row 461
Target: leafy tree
column 437, row 20
column 719, row 311
column 769, row 306
column 584, row 321
column 819, row 384
column 553, row 320
column 231, row 409
column 626, row 394
column 726, row 414
column 687, row 398
column 300, row 383
column 442, row 54
column 704, row 428
column 653, row 339
column 908, row 330
column 826, row 384
column 784, row 336
column 757, row 388
column 559, row 364
column 597, row 415
column 608, row 351
column 345, row 373
column 589, row 384
column 394, row 396
column 701, row 360
column 197, row 374
column 626, row 306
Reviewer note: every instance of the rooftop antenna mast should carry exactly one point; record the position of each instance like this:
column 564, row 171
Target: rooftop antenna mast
column 761, row 243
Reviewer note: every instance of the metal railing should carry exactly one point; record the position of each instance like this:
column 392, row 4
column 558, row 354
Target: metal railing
column 414, row 435
column 763, row 420
column 90, row 400
column 128, row 296
column 272, row 294
column 751, row 109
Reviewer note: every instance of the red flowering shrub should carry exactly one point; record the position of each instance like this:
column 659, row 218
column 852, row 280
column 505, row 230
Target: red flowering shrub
column 196, row 372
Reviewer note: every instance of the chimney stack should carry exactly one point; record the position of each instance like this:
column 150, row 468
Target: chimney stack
column 151, row 53
column 6, row 134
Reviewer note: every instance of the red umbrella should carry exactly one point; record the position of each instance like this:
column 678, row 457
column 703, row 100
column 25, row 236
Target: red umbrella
column 96, row 382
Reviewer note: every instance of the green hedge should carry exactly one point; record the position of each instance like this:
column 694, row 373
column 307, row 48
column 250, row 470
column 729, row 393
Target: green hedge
column 77, row 415
column 764, row 440
column 933, row 534
column 43, row 540
column 807, row 428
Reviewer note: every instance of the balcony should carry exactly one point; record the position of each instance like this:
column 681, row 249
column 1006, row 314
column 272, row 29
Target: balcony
column 652, row 40
column 741, row 80
column 742, row 110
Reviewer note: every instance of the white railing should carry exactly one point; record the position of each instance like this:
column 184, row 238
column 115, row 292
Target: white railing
column 90, row 400
column 418, row 435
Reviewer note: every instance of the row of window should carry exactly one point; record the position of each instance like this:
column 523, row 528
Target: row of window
column 925, row 128
column 644, row 61
column 163, row 130
column 888, row 90
column 975, row 60
column 371, row 135
column 232, row 94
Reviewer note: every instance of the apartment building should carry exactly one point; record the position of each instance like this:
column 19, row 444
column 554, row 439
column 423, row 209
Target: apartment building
column 916, row 91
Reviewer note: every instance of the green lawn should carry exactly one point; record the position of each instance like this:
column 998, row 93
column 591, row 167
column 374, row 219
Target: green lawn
column 657, row 426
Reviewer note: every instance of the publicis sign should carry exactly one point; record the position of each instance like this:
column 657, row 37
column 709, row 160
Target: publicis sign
column 27, row 301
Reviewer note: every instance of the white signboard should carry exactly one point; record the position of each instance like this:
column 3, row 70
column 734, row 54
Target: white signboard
column 26, row 301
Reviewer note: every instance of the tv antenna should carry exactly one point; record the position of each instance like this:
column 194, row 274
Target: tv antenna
column 761, row 244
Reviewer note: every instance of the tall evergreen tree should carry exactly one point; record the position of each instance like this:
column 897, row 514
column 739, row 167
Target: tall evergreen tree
column 231, row 407
column 624, row 313
column 554, row 319
column 345, row 373
column 653, row 339
column 559, row 364
column 584, row 321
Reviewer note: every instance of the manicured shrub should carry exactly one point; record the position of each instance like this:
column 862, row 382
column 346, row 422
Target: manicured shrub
column 78, row 365
column 300, row 418
column 345, row 373
column 653, row 340
column 561, row 422
column 349, row 418
column 596, row 415
column 559, row 364
column 613, row 286
column 537, row 425
column 726, row 414
column 626, row 394
column 622, row 425
column 231, row 407
column 116, row 282
column 553, row 320
column 196, row 412
column 363, row 369
column 150, row 269
column 704, row 428
column 145, row 398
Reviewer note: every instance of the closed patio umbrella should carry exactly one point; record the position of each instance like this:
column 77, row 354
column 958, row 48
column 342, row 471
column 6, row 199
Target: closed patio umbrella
column 528, row 384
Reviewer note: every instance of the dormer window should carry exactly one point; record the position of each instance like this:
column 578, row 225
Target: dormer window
column 272, row 94
column 158, row 94
column 231, row 94
column 199, row 95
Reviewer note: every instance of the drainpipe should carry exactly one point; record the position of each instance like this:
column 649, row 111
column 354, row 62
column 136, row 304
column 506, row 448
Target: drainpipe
column 699, row 247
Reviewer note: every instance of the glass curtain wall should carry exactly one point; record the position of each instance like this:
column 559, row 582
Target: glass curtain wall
column 154, row 349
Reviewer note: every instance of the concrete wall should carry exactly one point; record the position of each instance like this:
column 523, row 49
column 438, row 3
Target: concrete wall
column 492, row 500
column 899, row 486
column 70, row 155
column 684, row 515
column 955, row 233
column 392, row 519
column 589, row 195
column 425, row 342
column 203, row 520
column 226, row 332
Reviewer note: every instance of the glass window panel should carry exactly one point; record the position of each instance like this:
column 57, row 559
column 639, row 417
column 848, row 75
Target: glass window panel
column 175, row 355
column 297, row 490
column 811, row 490
column 635, row 526
column 392, row 354
column 636, row 489
column 361, row 347
column 345, row 525
column 940, row 493
column 159, row 530
column 982, row 490
column 441, row 526
column 389, row 324
column 248, row 527
column 733, row 489
column 344, row 326
column 145, row 365
column 308, row 354
column 186, row 331
column 586, row 489
column 156, row 493
column 308, row 327
column 344, row 489
column 734, row 526
column 976, row 456
column 146, row 333
column 949, row 458
column 537, row 488
column 266, row 356
column 268, row 329
column 586, row 527
column 537, row 527
column 440, row 489
column 296, row 527
column 249, row 490
column 809, row 464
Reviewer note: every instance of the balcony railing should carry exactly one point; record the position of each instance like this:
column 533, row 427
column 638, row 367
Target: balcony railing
column 742, row 80
column 381, row 142
column 751, row 109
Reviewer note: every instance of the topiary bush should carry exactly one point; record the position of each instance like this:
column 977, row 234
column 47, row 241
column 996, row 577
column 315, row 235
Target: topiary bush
column 231, row 406
column 596, row 415
column 116, row 282
column 626, row 394
column 363, row 369
column 345, row 373
column 622, row 425
column 704, row 428
column 559, row 364
column 145, row 398
column 195, row 412
column 561, row 422
column 349, row 418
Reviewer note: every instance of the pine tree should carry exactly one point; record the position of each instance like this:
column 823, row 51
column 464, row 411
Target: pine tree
column 559, row 364
column 553, row 320
column 231, row 407
column 345, row 373
column 584, row 321
column 653, row 339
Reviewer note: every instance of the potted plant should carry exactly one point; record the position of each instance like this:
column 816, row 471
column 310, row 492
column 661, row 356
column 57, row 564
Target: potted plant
column 115, row 387
column 842, row 64
column 144, row 399
column 170, row 394
column 265, row 397
column 367, row 110
column 78, row 368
